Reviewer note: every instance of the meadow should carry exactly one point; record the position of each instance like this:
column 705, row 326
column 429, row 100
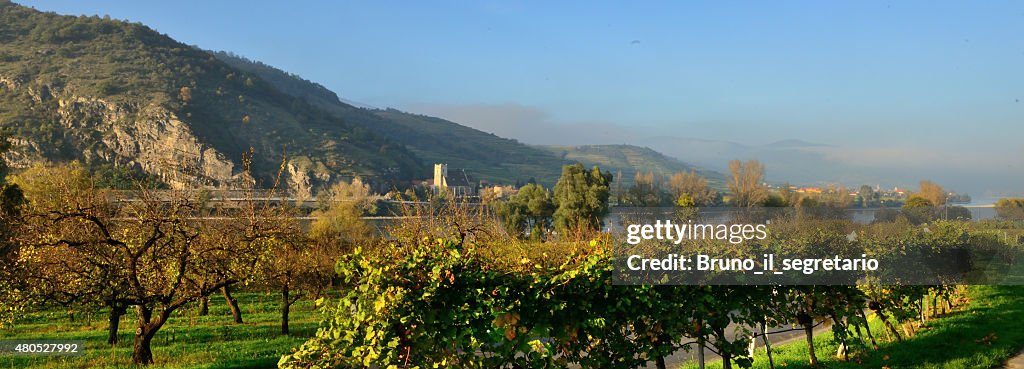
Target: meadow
column 187, row 341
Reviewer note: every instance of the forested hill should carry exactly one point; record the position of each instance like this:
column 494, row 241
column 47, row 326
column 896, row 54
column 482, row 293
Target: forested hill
column 103, row 91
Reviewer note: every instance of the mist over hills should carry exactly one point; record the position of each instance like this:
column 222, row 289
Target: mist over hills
column 108, row 92
column 896, row 160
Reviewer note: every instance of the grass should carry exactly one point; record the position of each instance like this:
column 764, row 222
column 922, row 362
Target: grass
column 983, row 335
column 186, row 341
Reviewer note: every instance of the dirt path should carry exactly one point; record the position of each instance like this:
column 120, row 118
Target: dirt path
column 1016, row 362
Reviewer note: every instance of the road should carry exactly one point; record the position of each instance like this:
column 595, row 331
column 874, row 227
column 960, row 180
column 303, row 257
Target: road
column 682, row 356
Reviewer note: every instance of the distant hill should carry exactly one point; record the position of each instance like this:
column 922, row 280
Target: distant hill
column 628, row 160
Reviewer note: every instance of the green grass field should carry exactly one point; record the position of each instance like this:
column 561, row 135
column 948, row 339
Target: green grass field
column 982, row 335
column 186, row 341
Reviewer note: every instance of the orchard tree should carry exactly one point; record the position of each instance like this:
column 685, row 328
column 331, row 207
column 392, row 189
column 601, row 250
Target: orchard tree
column 581, row 197
column 148, row 253
column 55, row 190
column 291, row 262
column 12, row 296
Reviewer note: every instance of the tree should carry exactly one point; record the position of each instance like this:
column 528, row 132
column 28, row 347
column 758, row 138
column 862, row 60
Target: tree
column 867, row 196
column 149, row 253
column 918, row 202
column 694, row 185
column 58, row 189
column 11, row 200
column 919, row 209
column 581, row 197
column 1010, row 208
column 789, row 197
column 529, row 210
column 644, row 191
column 185, row 95
column 340, row 220
column 746, row 184
column 932, row 192
column 292, row 263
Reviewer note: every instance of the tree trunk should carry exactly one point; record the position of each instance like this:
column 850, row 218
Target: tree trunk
column 809, row 333
column 204, row 306
column 752, row 347
column 142, row 352
column 767, row 344
column 660, row 362
column 867, row 328
column 233, row 303
column 285, row 306
column 700, row 352
column 888, row 324
column 114, row 322
column 844, row 326
column 725, row 354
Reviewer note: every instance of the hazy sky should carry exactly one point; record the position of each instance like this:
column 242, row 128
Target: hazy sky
column 897, row 75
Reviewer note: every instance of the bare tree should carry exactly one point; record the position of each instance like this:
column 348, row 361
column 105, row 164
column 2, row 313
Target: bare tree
column 931, row 191
column 746, row 183
column 694, row 185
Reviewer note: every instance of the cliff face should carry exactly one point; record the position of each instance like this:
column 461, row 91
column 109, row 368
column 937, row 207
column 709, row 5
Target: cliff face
column 150, row 138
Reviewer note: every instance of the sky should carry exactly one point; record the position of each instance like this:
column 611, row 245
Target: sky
column 906, row 84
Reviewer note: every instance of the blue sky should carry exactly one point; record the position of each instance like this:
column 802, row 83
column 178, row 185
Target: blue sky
column 896, row 75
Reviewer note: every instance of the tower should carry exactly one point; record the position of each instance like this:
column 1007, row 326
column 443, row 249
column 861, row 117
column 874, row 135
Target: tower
column 440, row 175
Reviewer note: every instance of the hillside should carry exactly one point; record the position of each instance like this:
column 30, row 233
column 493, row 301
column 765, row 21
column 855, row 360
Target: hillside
column 628, row 160
column 110, row 92
column 484, row 155
column 435, row 140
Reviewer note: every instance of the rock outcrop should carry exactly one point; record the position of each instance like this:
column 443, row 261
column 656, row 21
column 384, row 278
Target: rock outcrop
column 151, row 138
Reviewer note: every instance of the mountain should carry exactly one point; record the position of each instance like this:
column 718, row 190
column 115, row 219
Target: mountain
column 110, row 92
column 435, row 140
column 628, row 160
column 483, row 155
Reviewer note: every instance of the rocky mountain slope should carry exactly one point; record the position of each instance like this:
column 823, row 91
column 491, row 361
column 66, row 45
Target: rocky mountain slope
column 105, row 91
